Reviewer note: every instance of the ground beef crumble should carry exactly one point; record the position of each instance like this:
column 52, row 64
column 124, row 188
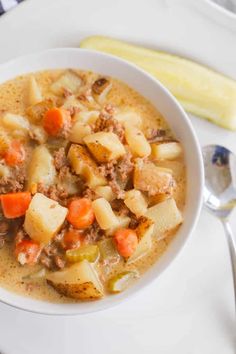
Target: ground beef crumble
column 14, row 183
column 60, row 159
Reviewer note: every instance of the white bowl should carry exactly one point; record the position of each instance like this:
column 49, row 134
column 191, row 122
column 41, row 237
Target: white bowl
column 155, row 92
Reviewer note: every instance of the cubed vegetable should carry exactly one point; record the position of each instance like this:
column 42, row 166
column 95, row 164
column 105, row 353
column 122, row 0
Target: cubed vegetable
column 108, row 250
column 136, row 140
column 130, row 117
column 105, row 192
column 83, row 165
column 41, row 168
column 34, row 94
column 136, row 202
column 123, row 223
column 104, row 214
column 166, row 216
column 16, row 124
column 166, row 151
column 144, row 232
column 44, row 218
column 68, row 81
column 80, row 281
column 121, row 281
column 105, row 146
column 88, row 117
column 79, row 131
column 88, row 252
column 152, row 179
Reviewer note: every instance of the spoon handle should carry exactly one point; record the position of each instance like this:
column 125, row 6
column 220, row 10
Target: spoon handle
column 232, row 251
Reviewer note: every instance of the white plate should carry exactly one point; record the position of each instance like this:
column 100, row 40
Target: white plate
column 190, row 309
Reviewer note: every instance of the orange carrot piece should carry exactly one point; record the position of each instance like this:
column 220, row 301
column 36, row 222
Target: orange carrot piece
column 27, row 252
column 15, row 205
column 72, row 239
column 126, row 241
column 15, row 155
column 55, row 120
column 80, row 213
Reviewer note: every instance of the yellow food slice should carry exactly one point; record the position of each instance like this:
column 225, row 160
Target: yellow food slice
column 200, row 90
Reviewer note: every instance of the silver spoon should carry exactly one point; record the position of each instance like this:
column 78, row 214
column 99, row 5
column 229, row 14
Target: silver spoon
column 220, row 191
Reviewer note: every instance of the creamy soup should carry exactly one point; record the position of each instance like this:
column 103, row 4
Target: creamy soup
column 92, row 185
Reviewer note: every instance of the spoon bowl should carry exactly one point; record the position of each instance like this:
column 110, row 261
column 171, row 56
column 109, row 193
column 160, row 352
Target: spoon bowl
column 220, row 180
column 220, row 191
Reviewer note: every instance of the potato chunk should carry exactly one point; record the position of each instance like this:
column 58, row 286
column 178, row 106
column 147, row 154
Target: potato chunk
column 15, row 124
column 136, row 202
column 34, row 94
column 85, row 166
column 69, row 81
column 80, row 281
column 44, row 218
column 131, row 117
column 104, row 214
column 137, row 142
column 144, row 232
column 41, row 168
column 78, row 132
column 166, row 216
column 105, row 192
column 123, row 223
column 105, row 146
column 152, row 179
column 166, row 151
column 88, row 117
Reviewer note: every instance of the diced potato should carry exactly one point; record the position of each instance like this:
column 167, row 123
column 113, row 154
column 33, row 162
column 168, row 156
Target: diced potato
column 105, row 146
column 41, row 168
column 108, row 250
column 121, row 281
column 78, row 132
column 105, row 192
column 123, row 222
column 44, row 218
column 88, row 117
column 85, row 166
column 158, row 198
column 152, row 179
column 38, row 133
column 102, row 97
column 80, row 281
column 136, row 202
column 177, row 168
column 4, row 171
column 16, row 124
column 144, row 232
column 89, row 252
column 166, row 216
column 166, row 151
column 104, row 214
column 35, row 94
column 137, row 141
column 36, row 112
column 69, row 81
column 130, row 117
column 71, row 102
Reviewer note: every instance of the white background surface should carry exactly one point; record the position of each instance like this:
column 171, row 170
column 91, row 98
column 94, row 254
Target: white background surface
column 189, row 310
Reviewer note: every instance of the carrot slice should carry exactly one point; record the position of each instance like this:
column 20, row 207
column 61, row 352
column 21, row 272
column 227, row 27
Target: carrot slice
column 72, row 239
column 15, row 205
column 126, row 241
column 80, row 213
column 55, row 120
column 27, row 252
column 15, row 154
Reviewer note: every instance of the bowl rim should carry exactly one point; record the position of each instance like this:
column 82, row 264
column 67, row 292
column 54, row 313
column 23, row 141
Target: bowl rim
column 29, row 304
